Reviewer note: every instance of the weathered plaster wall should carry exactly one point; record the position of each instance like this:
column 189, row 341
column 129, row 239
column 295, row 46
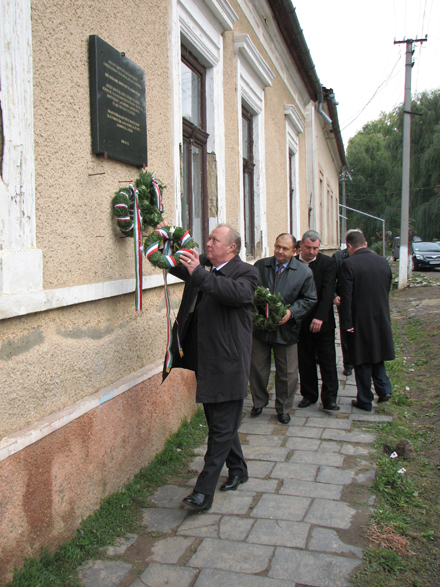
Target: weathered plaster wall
column 49, row 487
column 74, row 223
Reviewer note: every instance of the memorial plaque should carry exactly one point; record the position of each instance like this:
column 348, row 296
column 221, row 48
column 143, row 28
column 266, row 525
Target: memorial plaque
column 117, row 104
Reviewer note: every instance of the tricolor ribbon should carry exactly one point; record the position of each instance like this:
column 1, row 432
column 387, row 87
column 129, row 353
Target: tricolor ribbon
column 158, row 195
column 267, row 312
column 137, row 234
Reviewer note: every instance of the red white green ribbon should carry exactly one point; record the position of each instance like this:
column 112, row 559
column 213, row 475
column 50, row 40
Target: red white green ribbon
column 137, row 234
column 158, row 195
column 267, row 311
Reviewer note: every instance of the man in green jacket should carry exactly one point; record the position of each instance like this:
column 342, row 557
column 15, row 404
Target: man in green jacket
column 282, row 274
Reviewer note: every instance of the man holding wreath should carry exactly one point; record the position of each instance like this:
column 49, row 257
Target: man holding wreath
column 214, row 325
column 282, row 274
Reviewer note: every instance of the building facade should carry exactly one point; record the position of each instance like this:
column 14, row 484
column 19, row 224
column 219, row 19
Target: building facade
column 239, row 130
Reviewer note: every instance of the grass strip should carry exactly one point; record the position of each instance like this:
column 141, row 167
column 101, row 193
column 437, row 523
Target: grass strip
column 404, row 528
column 118, row 514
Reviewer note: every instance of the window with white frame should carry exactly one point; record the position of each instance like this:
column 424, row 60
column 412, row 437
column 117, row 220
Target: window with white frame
column 295, row 125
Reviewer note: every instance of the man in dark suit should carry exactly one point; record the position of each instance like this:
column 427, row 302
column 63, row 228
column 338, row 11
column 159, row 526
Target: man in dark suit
column 214, row 325
column 317, row 335
column 365, row 315
column 281, row 274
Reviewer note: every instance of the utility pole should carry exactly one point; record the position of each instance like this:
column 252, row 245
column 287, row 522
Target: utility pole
column 404, row 221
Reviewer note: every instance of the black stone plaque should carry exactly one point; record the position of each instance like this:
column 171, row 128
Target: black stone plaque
column 117, row 104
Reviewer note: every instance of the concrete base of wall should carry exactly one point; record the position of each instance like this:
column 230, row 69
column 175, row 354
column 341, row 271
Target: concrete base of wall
column 49, row 486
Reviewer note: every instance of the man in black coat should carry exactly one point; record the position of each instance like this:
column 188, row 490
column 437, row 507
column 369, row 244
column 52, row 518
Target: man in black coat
column 282, row 274
column 365, row 315
column 317, row 335
column 214, row 324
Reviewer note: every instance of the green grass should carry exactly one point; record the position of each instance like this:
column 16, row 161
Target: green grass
column 408, row 503
column 118, row 515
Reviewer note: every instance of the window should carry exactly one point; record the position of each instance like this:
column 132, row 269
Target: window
column 292, row 195
column 248, row 183
column 194, row 156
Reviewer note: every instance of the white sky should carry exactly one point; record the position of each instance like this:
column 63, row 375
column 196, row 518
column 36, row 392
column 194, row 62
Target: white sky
column 352, row 46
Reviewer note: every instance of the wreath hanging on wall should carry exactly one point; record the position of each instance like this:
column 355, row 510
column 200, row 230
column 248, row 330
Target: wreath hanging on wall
column 268, row 309
column 164, row 246
column 149, row 194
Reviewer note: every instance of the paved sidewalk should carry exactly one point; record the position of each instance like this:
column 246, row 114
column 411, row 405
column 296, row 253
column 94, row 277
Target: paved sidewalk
column 298, row 521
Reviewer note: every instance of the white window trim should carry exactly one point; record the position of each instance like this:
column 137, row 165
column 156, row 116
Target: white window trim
column 295, row 125
column 253, row 75
column 21, row 263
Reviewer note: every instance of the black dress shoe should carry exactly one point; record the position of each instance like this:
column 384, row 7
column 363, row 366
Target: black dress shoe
column 256, row 411
column 347, row 371
column 283, row 418
column 364, row 407
column 332, row 406
column 233, row 482
column 305, row 403
column 384, row 398
column 199, row 501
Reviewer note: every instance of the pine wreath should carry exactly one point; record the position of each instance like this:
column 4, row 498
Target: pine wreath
column 268, row 309
column 164, row 246
column 150, row 203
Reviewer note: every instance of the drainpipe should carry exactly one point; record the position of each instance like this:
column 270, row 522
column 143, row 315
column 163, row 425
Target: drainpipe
column 323, row 114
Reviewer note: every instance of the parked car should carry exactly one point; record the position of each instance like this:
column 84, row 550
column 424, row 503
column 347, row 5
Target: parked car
column 425, row 255
column 395, row 249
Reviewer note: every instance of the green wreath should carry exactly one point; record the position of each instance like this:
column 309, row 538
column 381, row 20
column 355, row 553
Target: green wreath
column 267, row 303
column 164, row 246
column 149, row 191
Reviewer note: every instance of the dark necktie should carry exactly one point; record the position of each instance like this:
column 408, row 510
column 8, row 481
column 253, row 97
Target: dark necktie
column 279, row 267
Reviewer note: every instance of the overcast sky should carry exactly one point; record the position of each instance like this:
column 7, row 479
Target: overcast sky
column 352, row 46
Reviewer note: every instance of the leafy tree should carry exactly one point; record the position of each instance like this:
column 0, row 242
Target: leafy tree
column 375, row 159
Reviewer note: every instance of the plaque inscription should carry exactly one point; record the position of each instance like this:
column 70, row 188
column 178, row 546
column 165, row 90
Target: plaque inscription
column 117, row 104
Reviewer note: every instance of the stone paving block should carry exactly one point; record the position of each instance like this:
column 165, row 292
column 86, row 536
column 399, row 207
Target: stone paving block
column 334, row 514
column 259, row 469
column 256, row 426
column 231, row 502
column 366, row 478
column 326, row 540
column 228, row 555
column 263, row 418
column 345, row 400
column 218, row 578
column 329, row 446
column 260, row 440
column 310, row 457
column 169, row 550
column 259, row 485
column 269, row 453
column 370, row 418
column 281, row 507
column 157, row 575
column 309, row 568
column 311, row 489
column 121, row 545
column 345, row 408
column 97, row 573
column 298, row 419
column 169, row 496
column 304, row 432
column 162, row 520
column 335, row 475
column 339, row 423
column 351, row 449
column 203, row 526
column 233, row 528
column 279, row 533
column 299, row 443
column 294, row 471
column 198, row 463
column 341, row 435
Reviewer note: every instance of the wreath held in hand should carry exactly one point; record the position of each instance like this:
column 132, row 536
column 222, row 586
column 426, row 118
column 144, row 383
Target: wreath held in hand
column 268, row 309
column 164, row 246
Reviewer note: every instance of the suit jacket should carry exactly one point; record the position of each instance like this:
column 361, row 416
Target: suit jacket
column 365, row 288
column 215, row 328
column 324, row 273
column 297, row 288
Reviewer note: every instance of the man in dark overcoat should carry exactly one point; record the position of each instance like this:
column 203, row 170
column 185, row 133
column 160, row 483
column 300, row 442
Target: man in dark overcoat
column 365, row 315
column 215, row 329
column 281, row 274
column 317, row 335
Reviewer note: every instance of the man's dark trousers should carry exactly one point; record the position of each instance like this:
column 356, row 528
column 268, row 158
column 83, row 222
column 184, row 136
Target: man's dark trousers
column 382, row 384
column 223, row 444
column 320, row 346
